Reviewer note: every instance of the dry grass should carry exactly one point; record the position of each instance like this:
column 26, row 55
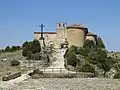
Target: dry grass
column 5, row 66
column 114, row 54
column 68, row 84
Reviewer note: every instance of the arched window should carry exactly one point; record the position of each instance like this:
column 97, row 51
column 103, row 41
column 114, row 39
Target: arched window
column 63, row 25
column 59, row 24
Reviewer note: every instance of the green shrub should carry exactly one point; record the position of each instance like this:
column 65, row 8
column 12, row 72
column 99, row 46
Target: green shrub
column 36, row 56
column 24, row 44
column 15, row 63
column 29, row 55
column 89, row 44
column 33, row 46
column 87, row 68
column 71, row 59
column 25, row 51
column 36, row 71
column 117, row 75
column 100, row 43
column 13, row 48
column 7, row 49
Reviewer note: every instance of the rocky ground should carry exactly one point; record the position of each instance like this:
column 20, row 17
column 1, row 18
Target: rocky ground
column 50, row 83
column 66, row 84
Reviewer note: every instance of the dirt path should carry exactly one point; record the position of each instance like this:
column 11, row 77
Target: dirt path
column 68, row 84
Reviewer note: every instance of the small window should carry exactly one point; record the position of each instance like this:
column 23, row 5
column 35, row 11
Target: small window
column 59, row 25
column 63, row 25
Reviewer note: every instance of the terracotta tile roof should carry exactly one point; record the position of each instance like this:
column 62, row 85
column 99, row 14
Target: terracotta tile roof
column 45, row 32
column 77, row 25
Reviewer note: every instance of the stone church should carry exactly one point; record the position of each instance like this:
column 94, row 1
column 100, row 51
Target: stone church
column 67, row 35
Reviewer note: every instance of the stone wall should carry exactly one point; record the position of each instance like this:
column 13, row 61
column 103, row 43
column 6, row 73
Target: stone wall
column 76, row 37
column 49, row 37
column 90, row 38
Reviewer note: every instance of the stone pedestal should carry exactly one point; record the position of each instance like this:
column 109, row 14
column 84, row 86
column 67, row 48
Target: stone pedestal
column 42, row 42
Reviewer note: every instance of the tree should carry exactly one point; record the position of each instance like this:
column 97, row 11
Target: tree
column 106, row 65
column 100, row 43
column 32, row 46
column 13, row 48
column 25, row 51
column 88, row 68
column 95, row 55
column 76, row 49
column 103, row 61
column 35, row 47
column 7, row 49
column 71, row 58
column 80, row 51
column 89, row 44
column 24, row 44
column 27, row 48
column 29, row 54
column 18, row 47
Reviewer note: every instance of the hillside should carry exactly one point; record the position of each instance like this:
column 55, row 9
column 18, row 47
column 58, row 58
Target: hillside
column 54, row 83
column 114, row 55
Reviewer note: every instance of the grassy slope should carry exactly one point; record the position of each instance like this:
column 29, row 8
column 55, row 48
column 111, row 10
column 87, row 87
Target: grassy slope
column 5, row 66
column 11, row 54
column 114, row 54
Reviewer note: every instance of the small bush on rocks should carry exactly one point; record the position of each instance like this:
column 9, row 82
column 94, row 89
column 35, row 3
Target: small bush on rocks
column 36, row 56
column 33, row 46
column 117, row 75
column 15, row 63
column 36, row 71
column 87, row 68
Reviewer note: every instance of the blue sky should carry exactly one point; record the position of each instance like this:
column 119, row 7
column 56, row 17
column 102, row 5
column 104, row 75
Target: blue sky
column 20, row 18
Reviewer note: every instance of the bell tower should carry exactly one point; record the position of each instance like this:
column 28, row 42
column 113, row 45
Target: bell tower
column 61, row 25
column 61, row 32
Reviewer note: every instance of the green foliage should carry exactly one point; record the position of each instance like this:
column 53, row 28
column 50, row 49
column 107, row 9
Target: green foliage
column 95, row 55
column 71, row 58
column 117, row 75
column 15, row 48
column 7, row 49
column 15, row 63
column 25, row 51
column 105, row 64
column 87, row 68
column 12, row 49
column 24, row 44
column 29, row 55
column 80, row 51
column 2, row 50
column 89, row 44
column 73, row 48
column 99, row 57
column 36, row 56
column 117, row 66
column 100, row 43
column 77, row 50
column 30, row 48
column 35, row 48
column 66, row 53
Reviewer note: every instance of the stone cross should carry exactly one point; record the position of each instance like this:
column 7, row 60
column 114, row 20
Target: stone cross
column 42, row 42
column 41, row 26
